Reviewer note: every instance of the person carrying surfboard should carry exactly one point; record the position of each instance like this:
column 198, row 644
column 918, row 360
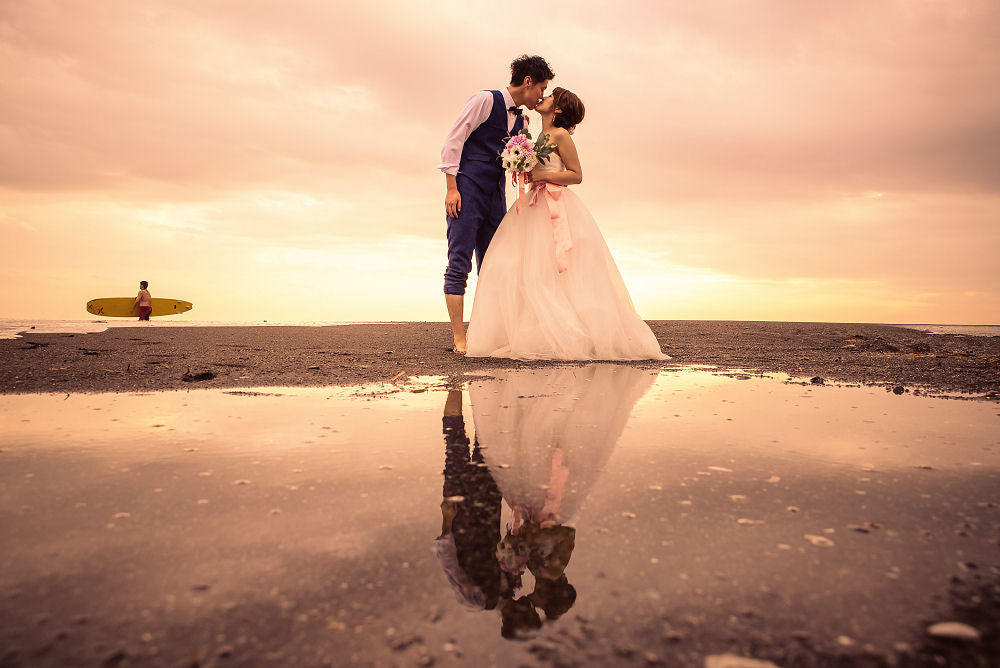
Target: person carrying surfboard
column 143, row 301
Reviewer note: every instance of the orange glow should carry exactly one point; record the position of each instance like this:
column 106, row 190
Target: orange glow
column 800, row 163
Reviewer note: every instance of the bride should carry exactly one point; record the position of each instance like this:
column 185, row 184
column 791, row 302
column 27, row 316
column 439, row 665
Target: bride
column 548, row 287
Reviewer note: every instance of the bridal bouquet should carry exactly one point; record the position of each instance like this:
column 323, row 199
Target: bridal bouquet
column 520, row 155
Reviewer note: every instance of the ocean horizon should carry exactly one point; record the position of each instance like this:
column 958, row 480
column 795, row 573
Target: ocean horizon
column 13, row 328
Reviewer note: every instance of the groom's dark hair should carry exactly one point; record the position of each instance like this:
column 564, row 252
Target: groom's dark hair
column 529, row 66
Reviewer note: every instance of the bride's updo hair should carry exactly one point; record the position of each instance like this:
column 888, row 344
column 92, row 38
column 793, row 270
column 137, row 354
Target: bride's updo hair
column 571, row 109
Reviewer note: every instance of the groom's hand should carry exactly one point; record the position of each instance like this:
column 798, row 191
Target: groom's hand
column 453, row 202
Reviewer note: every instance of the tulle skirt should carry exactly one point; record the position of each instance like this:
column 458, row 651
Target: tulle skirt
column 531, row 422
column 526, row 309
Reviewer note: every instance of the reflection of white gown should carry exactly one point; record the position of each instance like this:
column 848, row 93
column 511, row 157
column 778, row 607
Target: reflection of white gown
column 525, row 308
column 524, row 418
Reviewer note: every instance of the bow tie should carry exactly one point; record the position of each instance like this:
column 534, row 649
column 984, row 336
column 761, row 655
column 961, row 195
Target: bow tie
column 514, row 110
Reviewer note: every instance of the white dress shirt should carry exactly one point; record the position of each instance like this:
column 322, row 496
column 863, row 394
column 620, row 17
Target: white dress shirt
column 477, row 109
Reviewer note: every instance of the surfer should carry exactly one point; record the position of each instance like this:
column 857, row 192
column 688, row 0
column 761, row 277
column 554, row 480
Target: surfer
column 143, row 301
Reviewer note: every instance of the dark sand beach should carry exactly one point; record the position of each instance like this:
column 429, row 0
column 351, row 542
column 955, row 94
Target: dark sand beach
column 151, row 358
column 706, row 516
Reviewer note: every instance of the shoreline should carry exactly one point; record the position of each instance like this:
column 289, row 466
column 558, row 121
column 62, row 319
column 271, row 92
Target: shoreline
column 136, row 359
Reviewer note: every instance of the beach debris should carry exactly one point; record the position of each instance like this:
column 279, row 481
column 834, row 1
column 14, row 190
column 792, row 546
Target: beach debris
column 115, row 658
column 864, row 527
column 744, row 520
column 119, row 516
column 792, row 509
column 455, row 499
column 899, row 389
column 627, row 515
column 953, row 631
column 314, row 368
column 737, row 497
column 773, row 479
column 189, row 377
column 816, row 380
column 241, row 482
column 384, row 467
column 818, row 541
column 398, row 375
column 845, row 641
column 735, row 661
column 720, row 468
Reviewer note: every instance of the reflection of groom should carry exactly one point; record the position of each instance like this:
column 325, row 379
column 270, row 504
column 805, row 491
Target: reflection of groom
column 475, row 202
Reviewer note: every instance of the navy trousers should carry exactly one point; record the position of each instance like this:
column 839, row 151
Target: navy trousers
column 471, row 233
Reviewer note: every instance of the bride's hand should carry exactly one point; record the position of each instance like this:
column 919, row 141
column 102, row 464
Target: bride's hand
column 531, row 177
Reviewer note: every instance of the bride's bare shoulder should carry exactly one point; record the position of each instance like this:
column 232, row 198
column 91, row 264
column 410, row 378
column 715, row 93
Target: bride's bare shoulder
column 560, row 137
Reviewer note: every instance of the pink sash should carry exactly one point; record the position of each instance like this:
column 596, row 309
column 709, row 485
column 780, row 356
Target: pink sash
column 557, row 211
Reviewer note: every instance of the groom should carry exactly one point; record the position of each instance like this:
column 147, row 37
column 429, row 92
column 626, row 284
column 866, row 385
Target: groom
column 476, row 201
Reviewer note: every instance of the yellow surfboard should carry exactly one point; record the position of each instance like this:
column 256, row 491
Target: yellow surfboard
column 121, row 307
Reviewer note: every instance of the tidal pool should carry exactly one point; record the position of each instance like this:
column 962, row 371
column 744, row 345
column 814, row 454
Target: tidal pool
column 587, row 515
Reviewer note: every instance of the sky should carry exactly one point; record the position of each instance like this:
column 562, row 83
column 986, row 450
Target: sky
column 746, row 159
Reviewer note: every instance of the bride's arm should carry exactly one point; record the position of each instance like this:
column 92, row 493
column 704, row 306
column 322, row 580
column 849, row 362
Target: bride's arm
column 572, row 172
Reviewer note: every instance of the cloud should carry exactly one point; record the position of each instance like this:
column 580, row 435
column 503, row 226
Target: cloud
column 848, row 143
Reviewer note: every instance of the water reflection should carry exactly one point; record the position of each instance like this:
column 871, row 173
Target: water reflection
column 541, row 439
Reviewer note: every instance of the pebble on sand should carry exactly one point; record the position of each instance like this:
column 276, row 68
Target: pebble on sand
column 953, row 631
column 735, row 661
column 818, row 541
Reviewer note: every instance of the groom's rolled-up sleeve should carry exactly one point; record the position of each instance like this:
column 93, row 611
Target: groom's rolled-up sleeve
column 477, row 109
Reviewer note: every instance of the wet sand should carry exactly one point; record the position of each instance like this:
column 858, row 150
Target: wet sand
column 710, row 515
column 150, row 358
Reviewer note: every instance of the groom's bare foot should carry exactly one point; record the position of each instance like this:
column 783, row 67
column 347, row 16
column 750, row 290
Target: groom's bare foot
column 456, row 310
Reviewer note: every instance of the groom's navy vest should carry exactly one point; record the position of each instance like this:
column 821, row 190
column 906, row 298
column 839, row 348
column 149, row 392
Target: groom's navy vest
column 481, row 152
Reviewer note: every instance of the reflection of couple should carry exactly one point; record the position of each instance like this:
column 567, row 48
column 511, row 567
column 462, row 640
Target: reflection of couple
column 484, row 571
column 542, row 437
column 550, row 289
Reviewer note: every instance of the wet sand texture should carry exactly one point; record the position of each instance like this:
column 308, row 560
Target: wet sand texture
column 131, row 359
column 804, row 526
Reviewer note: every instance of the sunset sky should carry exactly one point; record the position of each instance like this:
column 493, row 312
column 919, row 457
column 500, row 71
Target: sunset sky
column 765, row 160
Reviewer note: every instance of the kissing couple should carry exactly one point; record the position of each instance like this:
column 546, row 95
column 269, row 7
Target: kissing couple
column 549, row 288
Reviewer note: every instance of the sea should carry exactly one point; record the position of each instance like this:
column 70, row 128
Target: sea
column 13, row 328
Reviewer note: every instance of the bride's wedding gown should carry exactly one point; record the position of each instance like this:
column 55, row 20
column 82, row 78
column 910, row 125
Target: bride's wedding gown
column 549, row 288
